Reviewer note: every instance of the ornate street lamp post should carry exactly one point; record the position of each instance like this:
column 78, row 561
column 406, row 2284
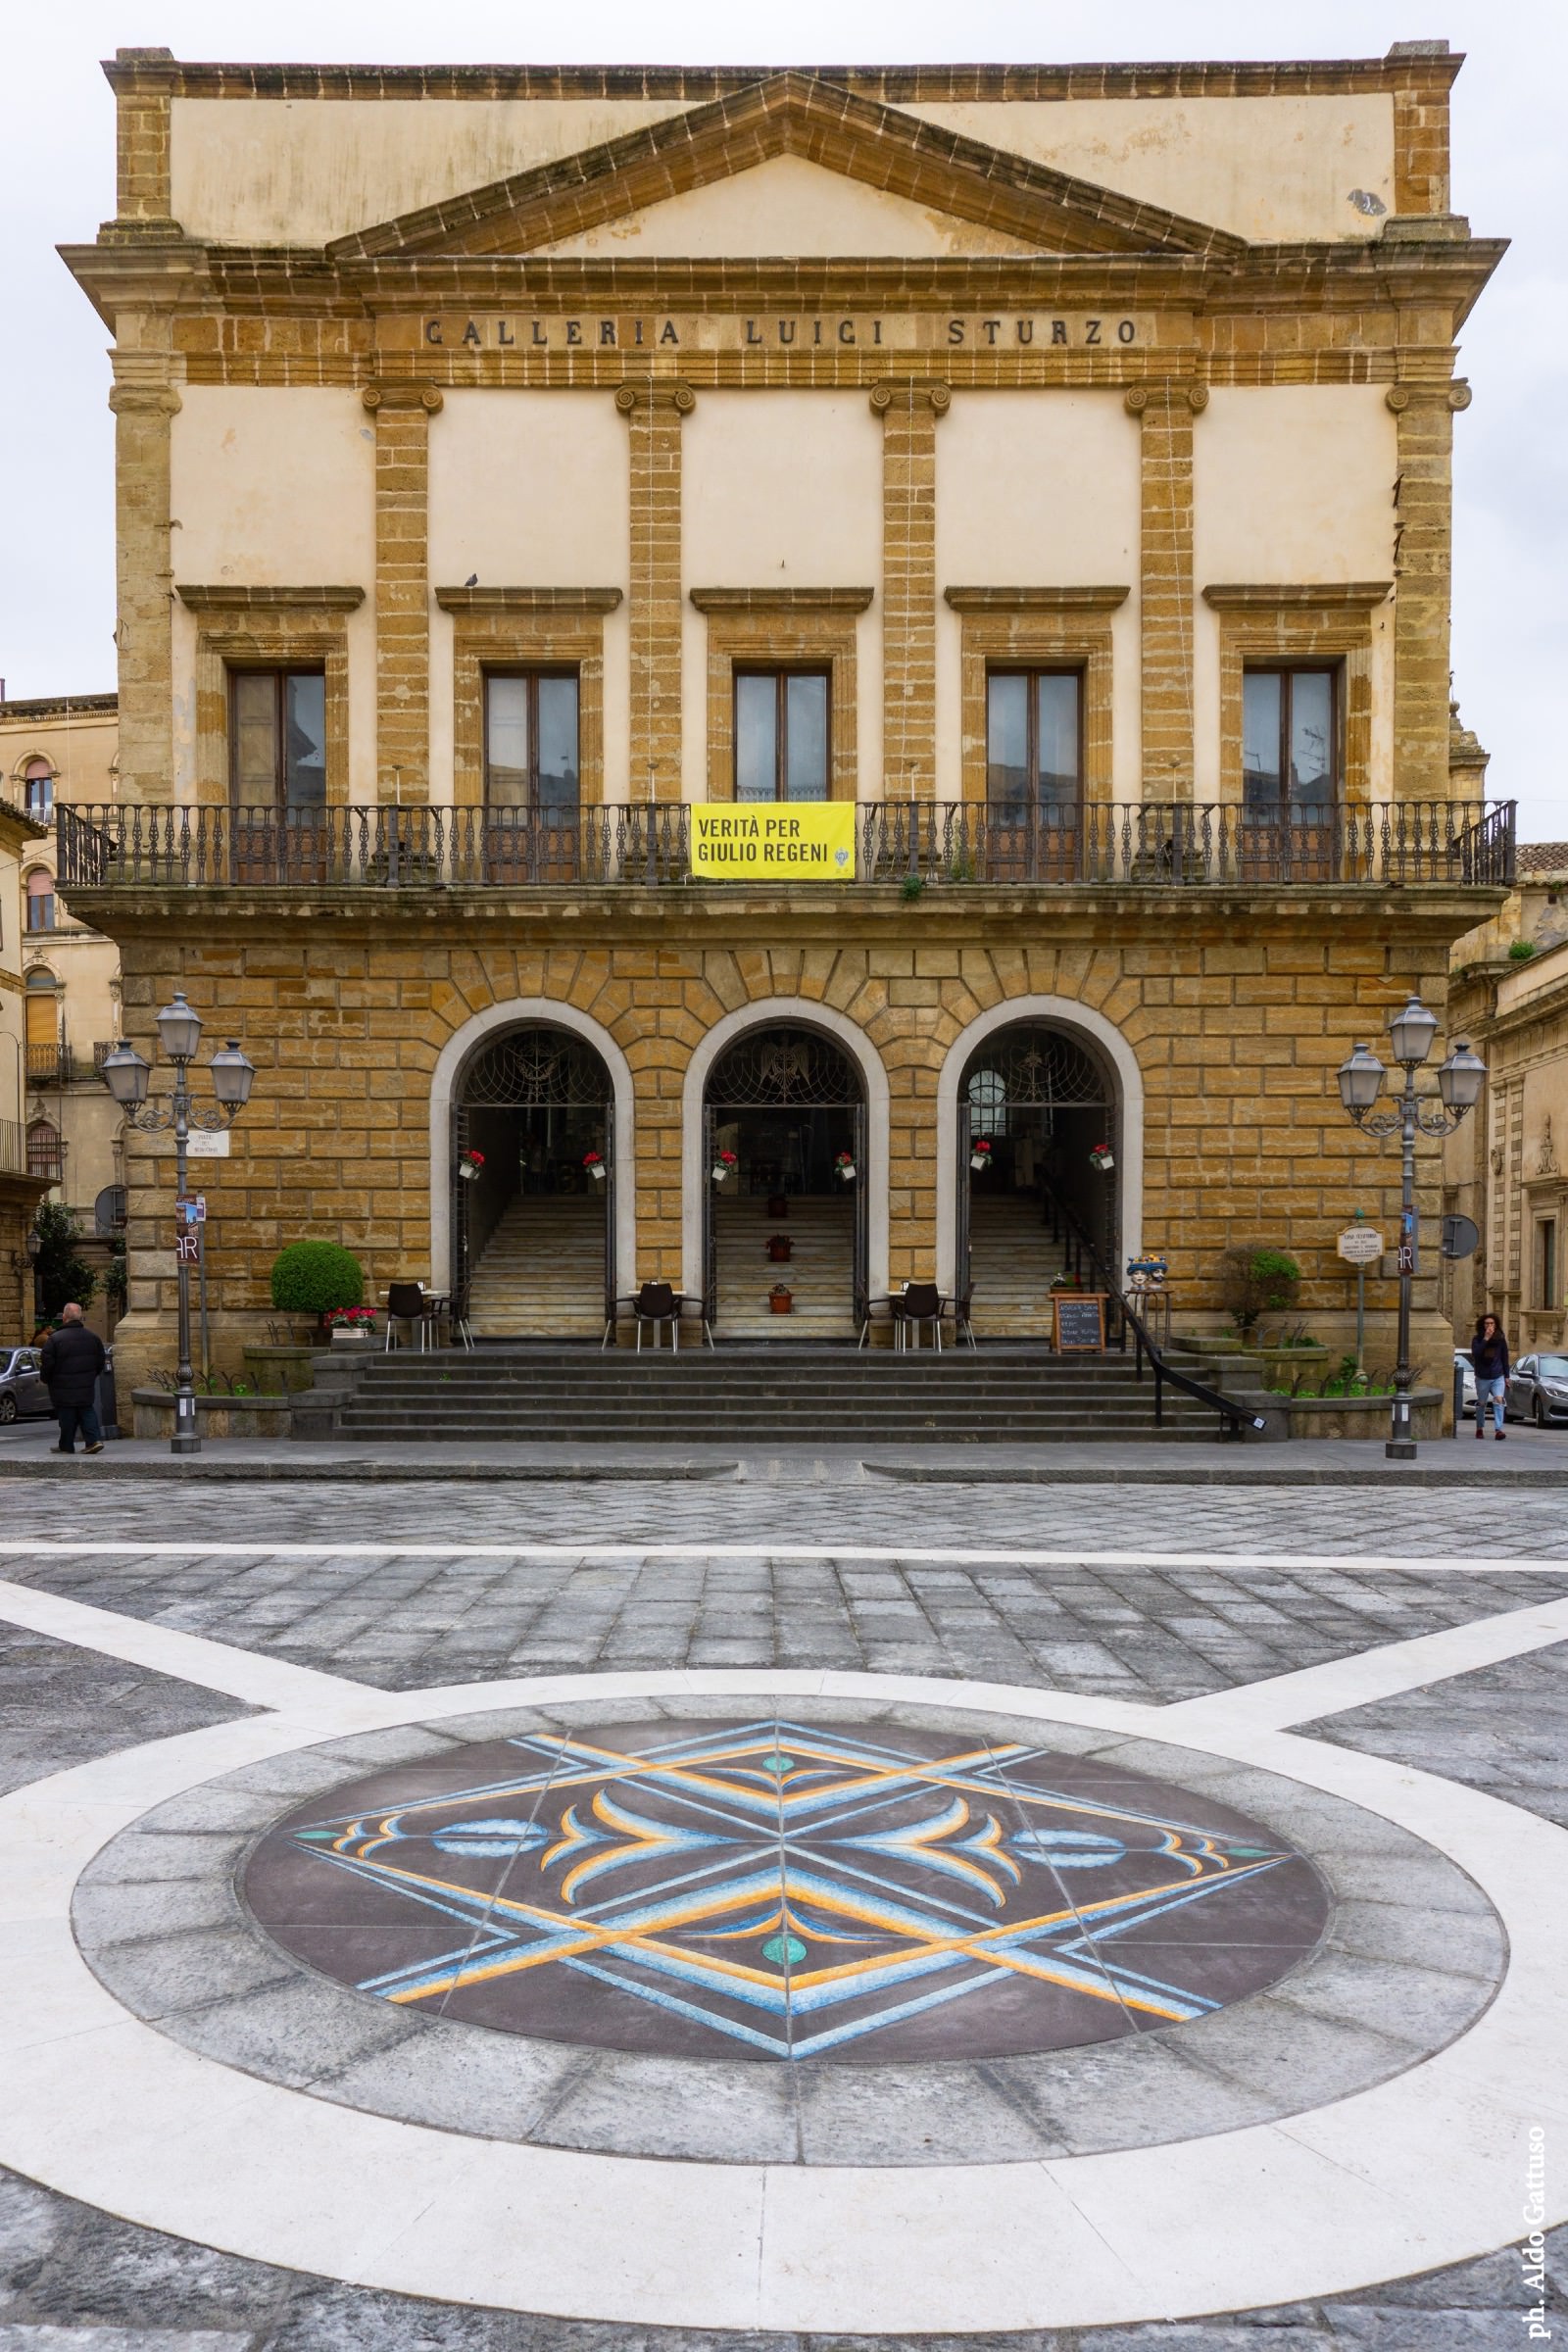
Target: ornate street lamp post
column 179, row 1030
column 1459, row 1082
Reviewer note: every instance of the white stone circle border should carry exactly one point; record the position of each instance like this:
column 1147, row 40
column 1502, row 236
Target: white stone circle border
column 1420, row 2171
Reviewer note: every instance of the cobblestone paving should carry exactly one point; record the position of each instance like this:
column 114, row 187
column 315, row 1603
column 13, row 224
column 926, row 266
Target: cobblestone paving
column 410, row 1623
column 792, row 1509
column 73, row 2280
column 61, row 1706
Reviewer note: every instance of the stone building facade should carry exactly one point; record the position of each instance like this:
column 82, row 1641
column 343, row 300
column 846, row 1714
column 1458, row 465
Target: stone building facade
column 1509, row 1172
column 1053, row 464
column 63, row 749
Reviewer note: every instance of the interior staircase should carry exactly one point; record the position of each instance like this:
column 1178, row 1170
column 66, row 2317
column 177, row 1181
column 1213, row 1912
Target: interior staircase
column 542, row 1271
column 820, row 1271
column 1011, row 1261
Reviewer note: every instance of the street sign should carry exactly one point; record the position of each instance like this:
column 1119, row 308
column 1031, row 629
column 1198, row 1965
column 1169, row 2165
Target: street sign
column 206, row 1142
column 188, row 1247
column 1461, row 1236
column 1360, row 1245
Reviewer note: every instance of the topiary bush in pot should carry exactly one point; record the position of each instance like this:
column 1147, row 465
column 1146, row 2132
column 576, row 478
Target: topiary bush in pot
column 315, row 1278
column 1257, row 1281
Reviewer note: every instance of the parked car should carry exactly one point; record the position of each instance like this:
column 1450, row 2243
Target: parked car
column 1537, row 1389
column 21, row 1389
column 1467, row 1399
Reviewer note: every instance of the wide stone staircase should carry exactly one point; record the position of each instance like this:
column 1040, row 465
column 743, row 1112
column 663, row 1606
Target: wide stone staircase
column 821, row 1272
column 757, row 1395
column 541, row 1272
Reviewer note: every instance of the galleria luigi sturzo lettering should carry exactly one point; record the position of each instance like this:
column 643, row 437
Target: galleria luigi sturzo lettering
column 676, row 331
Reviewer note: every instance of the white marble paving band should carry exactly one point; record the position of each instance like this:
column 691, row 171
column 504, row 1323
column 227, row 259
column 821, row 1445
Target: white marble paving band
column 1413, row 1954
column 102, row 2106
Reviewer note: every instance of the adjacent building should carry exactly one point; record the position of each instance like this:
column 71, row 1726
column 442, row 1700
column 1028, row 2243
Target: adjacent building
column 57, row 752
column 874, row 638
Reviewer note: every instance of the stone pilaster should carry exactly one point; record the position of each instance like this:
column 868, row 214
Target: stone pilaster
column 403, row 413
column 1423, row 585
column 1164, row 414
column 653, row 411
column 909, row 414
column 143, row 401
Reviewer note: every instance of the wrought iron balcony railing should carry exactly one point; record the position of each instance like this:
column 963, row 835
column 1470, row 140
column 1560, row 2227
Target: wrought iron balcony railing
column 1143, row 845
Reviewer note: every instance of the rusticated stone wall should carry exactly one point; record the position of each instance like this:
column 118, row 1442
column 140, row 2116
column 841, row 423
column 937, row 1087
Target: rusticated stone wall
column 1239, row 1017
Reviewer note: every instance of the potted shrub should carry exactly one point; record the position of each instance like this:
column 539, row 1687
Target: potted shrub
column 317, row 1278
column 594, row 1163
column 779, row 1247
column 777, row 1205
column 1257, row 1281
column 781, row 1298
column 980, row 1154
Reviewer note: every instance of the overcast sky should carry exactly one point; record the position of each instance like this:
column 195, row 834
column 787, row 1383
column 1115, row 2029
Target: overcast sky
column 1510, row 176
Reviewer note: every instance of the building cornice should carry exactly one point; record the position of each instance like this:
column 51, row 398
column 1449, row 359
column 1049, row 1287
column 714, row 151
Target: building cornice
column 1328, row 596
column 1431, row 68
column 61, row 706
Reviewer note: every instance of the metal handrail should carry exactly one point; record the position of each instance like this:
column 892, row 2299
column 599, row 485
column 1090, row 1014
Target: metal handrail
column 1233, row 1416
column 1143, row 845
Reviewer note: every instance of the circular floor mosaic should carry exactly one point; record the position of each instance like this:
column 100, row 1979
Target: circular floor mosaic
column 781, row 1889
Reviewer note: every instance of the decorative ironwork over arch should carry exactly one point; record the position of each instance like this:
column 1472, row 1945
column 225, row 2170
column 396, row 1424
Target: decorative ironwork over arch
column 784, row 1069
column 533, row 1069
column 1030, row 1066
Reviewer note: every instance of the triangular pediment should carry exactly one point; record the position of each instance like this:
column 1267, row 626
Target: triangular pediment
column 926, row 175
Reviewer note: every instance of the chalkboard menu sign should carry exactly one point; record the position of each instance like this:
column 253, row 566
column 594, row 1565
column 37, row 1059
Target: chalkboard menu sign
column 1080, row 1319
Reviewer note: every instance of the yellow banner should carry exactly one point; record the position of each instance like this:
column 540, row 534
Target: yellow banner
column 774, row 841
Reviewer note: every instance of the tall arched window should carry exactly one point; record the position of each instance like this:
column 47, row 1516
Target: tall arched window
column 39, row 788
column 43, row 1026
column 45, row 1157
column 41, row 899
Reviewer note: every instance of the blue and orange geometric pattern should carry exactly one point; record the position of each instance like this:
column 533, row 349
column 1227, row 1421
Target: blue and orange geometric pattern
column 794, row 1891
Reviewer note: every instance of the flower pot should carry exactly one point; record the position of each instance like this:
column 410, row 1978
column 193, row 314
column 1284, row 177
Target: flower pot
column 845, row 1172
column 466, row 1173
column 597, row 1172
column 781, row 1302
column 720, row 1172
column 1105, row 1161
column 779, row 1248
column 777, row 1205
column 351, row 1339
column 979, row 1161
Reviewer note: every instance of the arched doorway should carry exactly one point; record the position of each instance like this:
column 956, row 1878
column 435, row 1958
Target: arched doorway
column 1037, row 1112
column 784, row 1115
column 533, row 1225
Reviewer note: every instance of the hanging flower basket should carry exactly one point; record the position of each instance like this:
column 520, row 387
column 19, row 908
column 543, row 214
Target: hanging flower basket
column 843, row 1167
column 594, row 1166
column 1102, row 1157
column 469, row 1164
column 723, row 1167
column 980, row 1154
column 781, row 1298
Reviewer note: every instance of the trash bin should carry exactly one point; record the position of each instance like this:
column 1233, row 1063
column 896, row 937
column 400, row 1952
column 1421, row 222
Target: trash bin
column 103, row 1397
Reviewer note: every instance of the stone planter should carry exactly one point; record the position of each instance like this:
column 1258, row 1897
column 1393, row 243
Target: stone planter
column 1359, row 1416
column 275, row 1369
column 360, row 1339
column 153, row 1415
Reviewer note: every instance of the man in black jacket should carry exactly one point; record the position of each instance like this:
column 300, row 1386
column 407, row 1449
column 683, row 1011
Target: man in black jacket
column 72, row 1360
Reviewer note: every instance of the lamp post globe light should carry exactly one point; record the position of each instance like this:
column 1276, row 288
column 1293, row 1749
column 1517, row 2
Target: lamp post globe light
column 179, row 1032
column 1460, row 1079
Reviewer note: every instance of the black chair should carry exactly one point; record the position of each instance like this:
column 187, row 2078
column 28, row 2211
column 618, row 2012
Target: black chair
column 916, row 1304
column 657, row 1304
column 406, row 1302
column 958, row 1309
